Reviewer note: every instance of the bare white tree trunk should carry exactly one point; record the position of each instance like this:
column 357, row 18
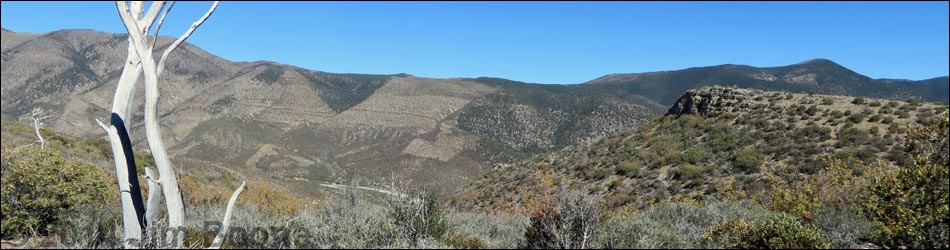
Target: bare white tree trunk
column 138, row 29
column 226, row 221
column 36, row 127
column 130, row 195
column 37, row 118
column 142, row 62
column 132, row 233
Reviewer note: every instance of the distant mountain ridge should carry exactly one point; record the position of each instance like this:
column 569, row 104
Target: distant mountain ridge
column 305, row 126
column 818, row 76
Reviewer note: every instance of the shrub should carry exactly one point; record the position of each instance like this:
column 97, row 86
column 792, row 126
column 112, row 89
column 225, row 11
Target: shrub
column 913, row 102
column 419, row 214
column 693, row 155
column 569, row 223
column 856, row 118
column 630, row 169
column 875, row 130
column 459, row 241
column 859, row 101
column 852, row 137
column 747, row 159
column 672, row 225
column 912, row 204
column 812, row 110
column 887, row 120
column 779, row 231
column 827, row 101
column 722, row 137
column 493, row 230
column 845, row 229
column 689, row 172
column 38, row 185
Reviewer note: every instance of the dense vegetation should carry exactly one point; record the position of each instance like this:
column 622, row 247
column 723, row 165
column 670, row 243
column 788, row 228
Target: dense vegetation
column 522, row 119
column 343, row 91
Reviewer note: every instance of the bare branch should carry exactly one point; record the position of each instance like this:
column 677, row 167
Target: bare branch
column 161, row 21
column 173, row 46
column 226, row 222
column 130, row 23
column 103, row 126
column 153, row 11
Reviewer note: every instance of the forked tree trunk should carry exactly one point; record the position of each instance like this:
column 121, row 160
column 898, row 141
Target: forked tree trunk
column 141, row 62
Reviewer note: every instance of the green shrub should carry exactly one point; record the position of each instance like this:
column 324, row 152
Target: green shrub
column 852, row 137
column 859, row 101
column 913, row 102
column 693, row 155
column 827, row 101
column 722, row 142
column 856, row 118
column 689, row 172
column 812, row 110
column 465, row 242
column 887, row 120
column 747, row 159
column 912, row 204
column 630, row 168
column 38, row 185
column 780, row 231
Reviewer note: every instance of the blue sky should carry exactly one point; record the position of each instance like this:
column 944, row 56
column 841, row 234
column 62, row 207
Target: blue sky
column 542, row 42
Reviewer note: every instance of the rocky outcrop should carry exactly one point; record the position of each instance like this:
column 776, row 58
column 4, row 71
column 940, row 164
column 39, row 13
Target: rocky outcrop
column 706, row 100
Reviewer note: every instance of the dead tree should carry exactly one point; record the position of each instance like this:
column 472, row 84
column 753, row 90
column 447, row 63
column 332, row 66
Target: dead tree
column 142, row 64
column 37, row 117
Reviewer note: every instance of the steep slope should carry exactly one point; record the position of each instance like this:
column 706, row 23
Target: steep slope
column 713, row 137
column 814, row 76
column 523, row 119
column 310, row 126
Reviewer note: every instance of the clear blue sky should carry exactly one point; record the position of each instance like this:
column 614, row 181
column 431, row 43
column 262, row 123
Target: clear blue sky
column 543, row 42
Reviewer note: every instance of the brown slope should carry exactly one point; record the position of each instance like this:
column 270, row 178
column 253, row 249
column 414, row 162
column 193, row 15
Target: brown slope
column 296, row 124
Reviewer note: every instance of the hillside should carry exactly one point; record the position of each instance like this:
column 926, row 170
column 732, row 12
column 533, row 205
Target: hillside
column 820, row 76
column 202, row 184
column 714, row 139
column 307, row 127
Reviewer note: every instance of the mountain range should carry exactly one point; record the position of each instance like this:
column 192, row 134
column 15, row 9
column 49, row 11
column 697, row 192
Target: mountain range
column 304, row 126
